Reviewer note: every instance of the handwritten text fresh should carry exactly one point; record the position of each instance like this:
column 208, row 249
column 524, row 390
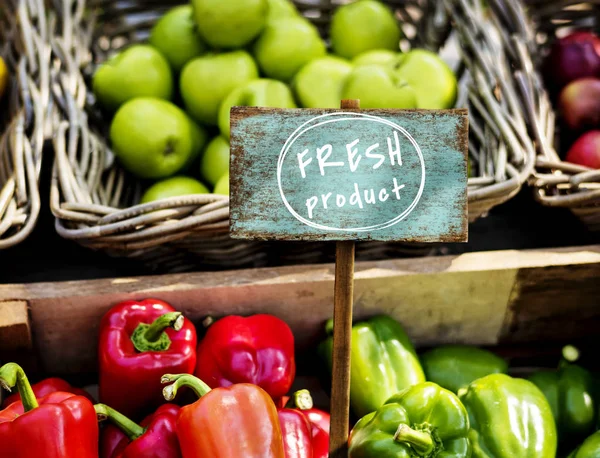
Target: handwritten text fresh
column 376, row 160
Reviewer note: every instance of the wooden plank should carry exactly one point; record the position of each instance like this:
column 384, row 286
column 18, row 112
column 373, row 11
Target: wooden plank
column 15, row 331
column 550, row 303
column 315, row 174
column 468, row 262
column 462, row 298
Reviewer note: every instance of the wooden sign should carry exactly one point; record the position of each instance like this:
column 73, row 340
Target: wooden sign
column 346, row 175
column 387, row 175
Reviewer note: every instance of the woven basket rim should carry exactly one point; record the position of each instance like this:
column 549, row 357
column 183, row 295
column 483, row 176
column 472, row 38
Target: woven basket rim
column 24, row 47
column 555, row 182
column 80, row 216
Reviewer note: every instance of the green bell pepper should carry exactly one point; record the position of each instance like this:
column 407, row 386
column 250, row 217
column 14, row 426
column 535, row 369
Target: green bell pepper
column 510, row 418
column 569, row 391
column 383, row 363
column 456, row 366
column 424, row 420
column 589, row 449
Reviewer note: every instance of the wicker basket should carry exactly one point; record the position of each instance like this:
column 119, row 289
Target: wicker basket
column 25, row 115
column 96, row 203
column 557, row 183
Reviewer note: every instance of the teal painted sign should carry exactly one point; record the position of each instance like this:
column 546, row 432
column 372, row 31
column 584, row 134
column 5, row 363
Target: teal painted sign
column 388, row 175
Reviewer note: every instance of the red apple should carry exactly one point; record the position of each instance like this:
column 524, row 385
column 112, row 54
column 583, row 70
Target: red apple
column 586, row 150
column 579, row 103
column 575, row 56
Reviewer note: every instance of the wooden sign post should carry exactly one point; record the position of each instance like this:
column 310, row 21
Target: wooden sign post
column 348, row 175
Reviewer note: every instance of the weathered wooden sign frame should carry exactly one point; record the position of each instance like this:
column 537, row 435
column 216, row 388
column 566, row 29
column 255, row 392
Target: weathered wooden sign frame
column 269, row 194
column 384, row 175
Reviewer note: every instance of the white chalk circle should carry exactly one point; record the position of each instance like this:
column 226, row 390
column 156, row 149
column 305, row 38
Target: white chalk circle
column 341, row 117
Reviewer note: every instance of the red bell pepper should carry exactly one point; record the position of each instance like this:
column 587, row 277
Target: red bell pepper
column 58, row 425
column 140, row 341
column 318, row 419
column 257, row 350
column 110, row 438
column 296, row 432
column 235, row 422
column 47, row 386
column 155, row 437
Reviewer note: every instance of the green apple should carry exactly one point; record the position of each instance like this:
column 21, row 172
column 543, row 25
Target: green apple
column 360, row 26
column 281, row 8
column 378, row 87
column 199, row 139
column 173, row 187
column 207, row 80
column 433, row 81
column 138, row 71
column 215, row 160
column 286, row 45
column 319, row 83
column 175, row 36
column 153, row 138
column 222, row 186
column 259, row 93
column 377, row 57
column 230, row 23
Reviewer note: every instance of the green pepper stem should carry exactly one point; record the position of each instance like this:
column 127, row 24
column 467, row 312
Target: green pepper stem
column 168, row 320
column 179, row 380
column 12, row 374
column 301, row 399
column 420, row 441
column 152, row 337
column 570, row 353
column 131, row 429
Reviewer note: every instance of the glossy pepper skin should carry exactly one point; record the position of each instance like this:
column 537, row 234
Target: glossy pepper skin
column 239, row 421
column 130, row 372
column 296, row 432
column 111, row 435
column 510, row 418
column 319, row 421
column 58, row 425
column 155, row 437
column 590, row 448
column 456, row 366
column 424, row 420
column 570, row 393
column 47, row 386
column 258, row 349
column 383, row 362
column 110, row 438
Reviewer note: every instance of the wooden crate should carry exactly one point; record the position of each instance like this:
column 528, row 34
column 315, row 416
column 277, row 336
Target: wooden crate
column 489, row 298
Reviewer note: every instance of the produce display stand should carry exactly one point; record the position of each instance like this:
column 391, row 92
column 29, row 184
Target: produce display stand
column 524, row 304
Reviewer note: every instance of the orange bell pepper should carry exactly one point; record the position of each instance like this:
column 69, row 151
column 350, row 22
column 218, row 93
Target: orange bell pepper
column 239, row 421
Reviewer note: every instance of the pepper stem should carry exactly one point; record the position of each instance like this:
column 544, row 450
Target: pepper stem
column 570, row 353
column 152, row 337
column 180, row 380
column 12, row 374
column 131, row 429
column 301, row 399
column 420, row 441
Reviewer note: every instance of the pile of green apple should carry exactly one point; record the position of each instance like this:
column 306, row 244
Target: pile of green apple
column 168, row 98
